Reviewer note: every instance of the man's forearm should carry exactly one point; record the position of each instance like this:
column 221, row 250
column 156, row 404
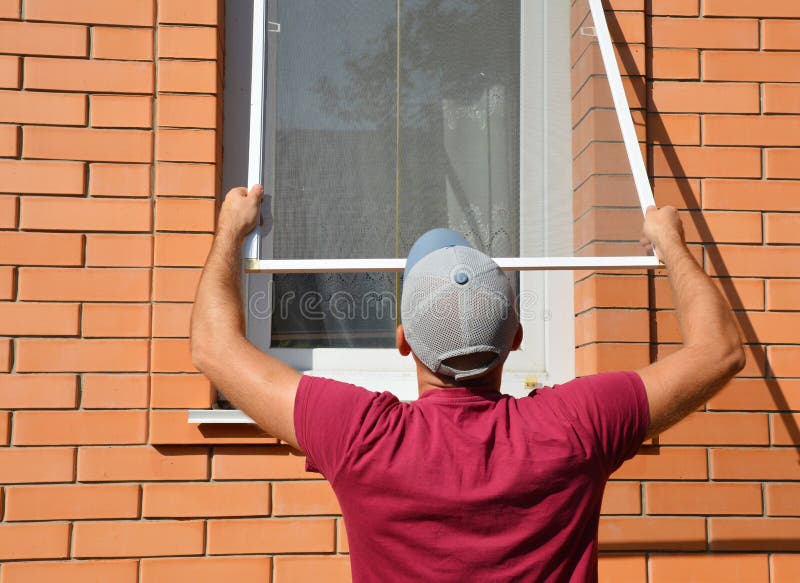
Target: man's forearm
column 217, row 311
column 704, row 315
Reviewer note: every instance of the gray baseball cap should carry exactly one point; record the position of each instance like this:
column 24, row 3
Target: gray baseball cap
column 456, row 302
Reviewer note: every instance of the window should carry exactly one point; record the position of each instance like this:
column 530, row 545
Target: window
column 371, row 121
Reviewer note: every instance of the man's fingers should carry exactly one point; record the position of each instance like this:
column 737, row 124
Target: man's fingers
column 257, row 191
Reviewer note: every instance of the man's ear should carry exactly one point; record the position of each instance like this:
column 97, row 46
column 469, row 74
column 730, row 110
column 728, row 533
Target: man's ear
column 517, row 338
column 400, row 341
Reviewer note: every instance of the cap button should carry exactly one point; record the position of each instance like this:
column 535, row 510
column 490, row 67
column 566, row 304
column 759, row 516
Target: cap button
column 461, row 278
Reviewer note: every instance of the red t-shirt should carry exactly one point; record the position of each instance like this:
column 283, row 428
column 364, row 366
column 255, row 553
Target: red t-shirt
column 471, row 485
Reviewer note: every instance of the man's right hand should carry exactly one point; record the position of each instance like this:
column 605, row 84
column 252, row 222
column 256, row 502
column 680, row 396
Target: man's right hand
column 662, row 229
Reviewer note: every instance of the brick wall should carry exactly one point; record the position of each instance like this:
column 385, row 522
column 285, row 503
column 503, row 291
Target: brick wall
column 109, row 173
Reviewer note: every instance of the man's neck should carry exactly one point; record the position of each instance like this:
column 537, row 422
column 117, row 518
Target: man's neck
column 427, row 380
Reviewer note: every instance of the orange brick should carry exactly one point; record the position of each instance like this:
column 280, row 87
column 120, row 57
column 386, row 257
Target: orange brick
column 707, row 162
column 675, row 7
column 207, row 569
column 673, row 463
column 784, row 568
column 5, row 438
column 10, row 8
column 622, row 498
column 342, row 544
column 781, row 98
column 119, row 180
column 678, row 130
column 35, row 177
column 131, row 44
column 38, row 391
column 784, row 429
column 702, row 498
column 79, row 427
column 87, row 144
column 85, row 214
column 114, row 391
column 38, row 319
column 756, row 261
column 183, row 42
column 185, row 180
column 87, row 284
column 718, row 429
column 30, row 38
column 71, row 571
column 187, row 76
column 181, row 391
column 722, row 227
column 728, row 130
column 289, row 569
column 754, row 534
column 782, row 228
column 704, row 33
column 173, row 214
column 675, row 64
column 188, row 11
column 171, row 355
column 179, row 145
column 88, row 75
column 119, row 250
column 611, row 291
column 34, row 541
column 612, row 326
column 122, row 111
column 124, row 464
column 757, row 395
column 754, row 464
column 35, row 355
column 41, row 464
column 259, row 463
column 10, row 72
column 116, row 320
column 271, row 535
column 750, row 66
column 646, row 533
column 304, row 498
column 133, row 12
column 6, row 355
column 171, row 320
column 783, row 294
column 708, row 568
column 137, row 539
column 682, row 193
column 768, row 9
column 189, row 250
column 595, row 358
column 175, row 285
column 780, row 35
column 38, row 107
column 9, row 211
column 688, row 97
column 9, row 140
column 72, row 502
column 616, row 568
column 783, row 163
column 764, row 195
column 170, row 427
column 782, row 499
column 19, row 248
column 743, row 294
column 8, row 283
column 189, row 500
column 187, row 111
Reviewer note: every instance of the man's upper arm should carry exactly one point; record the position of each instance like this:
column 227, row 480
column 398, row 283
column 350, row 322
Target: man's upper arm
column 256, row 383
column 678, row 384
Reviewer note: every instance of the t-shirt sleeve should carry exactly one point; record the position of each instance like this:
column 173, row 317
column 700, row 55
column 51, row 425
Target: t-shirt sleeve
column 329, row 417
column 611, row 410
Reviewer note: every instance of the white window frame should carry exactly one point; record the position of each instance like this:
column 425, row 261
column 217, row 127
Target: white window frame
column 385, row 368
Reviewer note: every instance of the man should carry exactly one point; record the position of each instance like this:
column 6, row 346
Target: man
column 465, row 484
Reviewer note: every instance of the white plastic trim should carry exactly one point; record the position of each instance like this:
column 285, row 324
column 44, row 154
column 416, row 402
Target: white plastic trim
column 395, row 265
column 218, row 416
column 621, row 106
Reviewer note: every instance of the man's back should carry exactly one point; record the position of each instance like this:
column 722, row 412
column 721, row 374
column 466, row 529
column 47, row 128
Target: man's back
column 470, row 485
